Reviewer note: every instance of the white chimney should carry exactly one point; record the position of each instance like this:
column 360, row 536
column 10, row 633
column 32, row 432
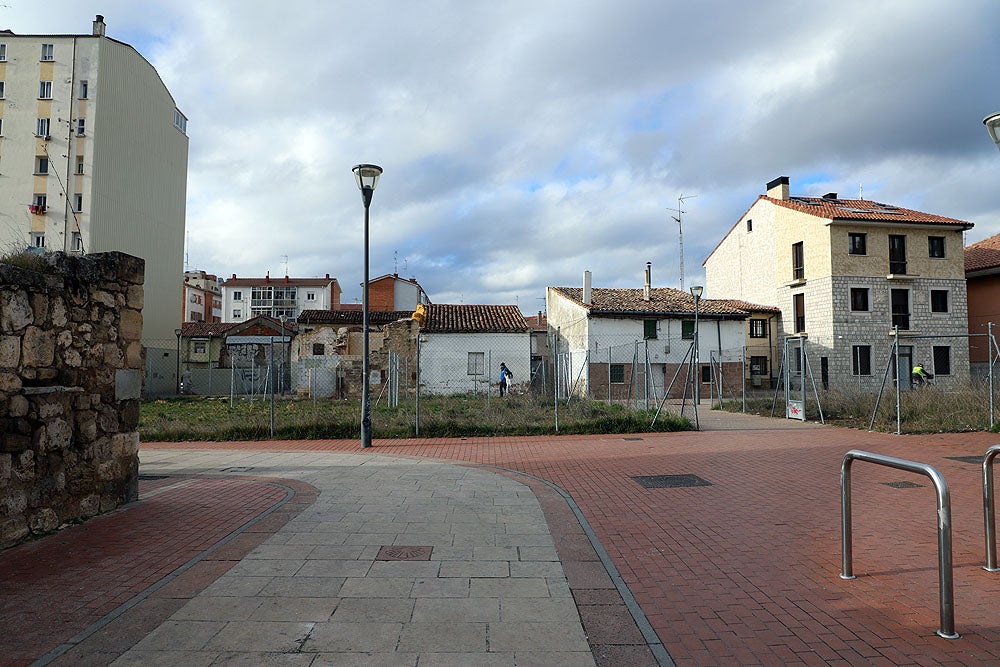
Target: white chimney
column 99, row 26
column 647, row 289
column 586, row 288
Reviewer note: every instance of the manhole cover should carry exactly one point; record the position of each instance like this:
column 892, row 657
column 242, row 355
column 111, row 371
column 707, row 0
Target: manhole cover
column 967, row 459
column 149, row 478
column 904, row 485
column 393, row 552
column 670, row 481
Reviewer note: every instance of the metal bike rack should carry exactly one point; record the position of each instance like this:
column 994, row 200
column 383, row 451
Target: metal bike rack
column 989, row 507
column 945, row 579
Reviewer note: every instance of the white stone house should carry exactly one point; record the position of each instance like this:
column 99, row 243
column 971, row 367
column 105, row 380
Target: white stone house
column 844, row 273
column 618, row 344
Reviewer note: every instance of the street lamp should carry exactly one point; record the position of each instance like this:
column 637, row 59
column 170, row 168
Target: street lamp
column 177, row 332
column 696, row 292
column 992, row 123
column 367, row 176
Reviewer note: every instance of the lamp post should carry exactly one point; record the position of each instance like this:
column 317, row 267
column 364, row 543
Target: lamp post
column 281, row 366
column 696, row 292
column 992, row 123
column 367, row 176
column 177, row 332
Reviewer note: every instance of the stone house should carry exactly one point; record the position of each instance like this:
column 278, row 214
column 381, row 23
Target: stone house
column 844, row 273
column 619, row 344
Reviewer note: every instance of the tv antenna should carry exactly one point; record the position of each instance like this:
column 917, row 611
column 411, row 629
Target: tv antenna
column 680, row 230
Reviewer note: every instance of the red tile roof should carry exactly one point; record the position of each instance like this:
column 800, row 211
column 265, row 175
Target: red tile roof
column 284, row 280
column 664, row 301
column 538, row 322
column 352, row 317
column 983, row 255
column 199, row 329
column 460, row 318
column 863, row 210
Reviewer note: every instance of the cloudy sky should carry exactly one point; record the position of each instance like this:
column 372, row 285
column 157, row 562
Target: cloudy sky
column 524, row 142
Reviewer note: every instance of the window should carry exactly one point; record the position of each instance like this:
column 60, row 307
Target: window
column 942, row 360
column 77, row 242
column 38, row 239
column 617, row 373
column 42, row 165
column 900, row 302
column 2, row 91
column 859, row 299
column 939, row 301
column 78, row 206
column 857, row 243
column 237, row 313
column 42, row 127
column 180, row 122
column 758, row 365
column 83, row 89
column 318, row 349
column 706, row 374
column 39, row 200
column 687, row 329
column 935, row 246
column 310, row 296
column 79, row 164
column 45, row 90
column 199, row 347
column 799, row 310
column 81, row 126
column 861, row 360
column 649, row 329
column 47, row 52
column 237, row 296
column 758, row 328
column 477, row 363
column 798, row 261
column 897, row 254
column 749, row 225
column 3, row 53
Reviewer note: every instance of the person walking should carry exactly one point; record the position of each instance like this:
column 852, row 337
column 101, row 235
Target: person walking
column 505, row 379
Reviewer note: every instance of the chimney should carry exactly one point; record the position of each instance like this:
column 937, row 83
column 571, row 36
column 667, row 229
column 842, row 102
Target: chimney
column 647, row 289
column 586, row 288
column 778, row 188
column 286, row 280
column 328, row 276
column 99, row 26
column 830, row 195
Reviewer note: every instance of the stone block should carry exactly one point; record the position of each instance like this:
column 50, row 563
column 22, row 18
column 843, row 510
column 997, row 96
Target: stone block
column 15, row 311
column 12, row 531
column 10, row 383
column 125, row 445
column 130, row 327
column 44, row 520
column 134, row 297
column 38, row 347
column 135, row 355
column 113, row 356
column 10, row 351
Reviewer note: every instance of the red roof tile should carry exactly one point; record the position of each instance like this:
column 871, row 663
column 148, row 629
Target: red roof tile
column 460, row 318
column 352, row 317
column 863, row 210
column 983, row 255
column 664, row 301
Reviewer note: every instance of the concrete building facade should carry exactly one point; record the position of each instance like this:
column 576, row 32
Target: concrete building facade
column 94, row 158
column 243, row 298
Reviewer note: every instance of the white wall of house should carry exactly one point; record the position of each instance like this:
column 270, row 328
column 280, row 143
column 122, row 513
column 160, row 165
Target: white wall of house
column 445, row 361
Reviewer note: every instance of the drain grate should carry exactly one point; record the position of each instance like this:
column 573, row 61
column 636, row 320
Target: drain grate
column 967, row 459
column 394, row 552
column 670, row 481
column 904, row 485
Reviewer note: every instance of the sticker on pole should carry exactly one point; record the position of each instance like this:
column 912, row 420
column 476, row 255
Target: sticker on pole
column 795, row 410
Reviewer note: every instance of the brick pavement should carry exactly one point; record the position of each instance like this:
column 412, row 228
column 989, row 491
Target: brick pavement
column 745, row 571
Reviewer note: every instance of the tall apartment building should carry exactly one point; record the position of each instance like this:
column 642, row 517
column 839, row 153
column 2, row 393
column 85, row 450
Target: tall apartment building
column 93, row 158
column 243, row 298
column 202, row 297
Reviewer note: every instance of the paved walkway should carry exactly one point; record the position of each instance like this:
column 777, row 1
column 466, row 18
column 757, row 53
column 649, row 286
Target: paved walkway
column 742, row 569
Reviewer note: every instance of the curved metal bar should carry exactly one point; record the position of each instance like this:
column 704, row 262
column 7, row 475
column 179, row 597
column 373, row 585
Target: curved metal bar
column 989, row 509
column 945, row 575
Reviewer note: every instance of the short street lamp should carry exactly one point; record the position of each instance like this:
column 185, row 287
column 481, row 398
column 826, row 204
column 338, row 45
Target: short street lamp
column 992, row 123
column 367, row 176
column 696, row 292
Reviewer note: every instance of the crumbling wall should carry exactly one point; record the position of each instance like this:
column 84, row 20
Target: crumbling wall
column 70, row 379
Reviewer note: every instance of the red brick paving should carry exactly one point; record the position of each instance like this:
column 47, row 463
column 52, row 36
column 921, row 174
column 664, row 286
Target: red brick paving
column 56, row 587
column 746, row 571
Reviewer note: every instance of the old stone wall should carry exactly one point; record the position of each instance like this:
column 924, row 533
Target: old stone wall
column 70, row 379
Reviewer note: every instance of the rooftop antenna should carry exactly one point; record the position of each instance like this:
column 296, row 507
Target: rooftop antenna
column 861, row 190
column 395, row 262
column 285, row 258
column 680, row 230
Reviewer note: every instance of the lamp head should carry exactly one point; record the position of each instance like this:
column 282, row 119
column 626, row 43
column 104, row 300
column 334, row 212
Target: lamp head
column 697, row 291
column 992, row 123
column 367, row 176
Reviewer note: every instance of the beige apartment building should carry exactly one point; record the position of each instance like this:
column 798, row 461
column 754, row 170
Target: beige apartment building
column 93, row 157
column 844, row 273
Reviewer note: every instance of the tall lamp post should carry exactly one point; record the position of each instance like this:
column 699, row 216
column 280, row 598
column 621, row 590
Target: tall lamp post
column 367, row 176
column 696, row 292
column 992, row 123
